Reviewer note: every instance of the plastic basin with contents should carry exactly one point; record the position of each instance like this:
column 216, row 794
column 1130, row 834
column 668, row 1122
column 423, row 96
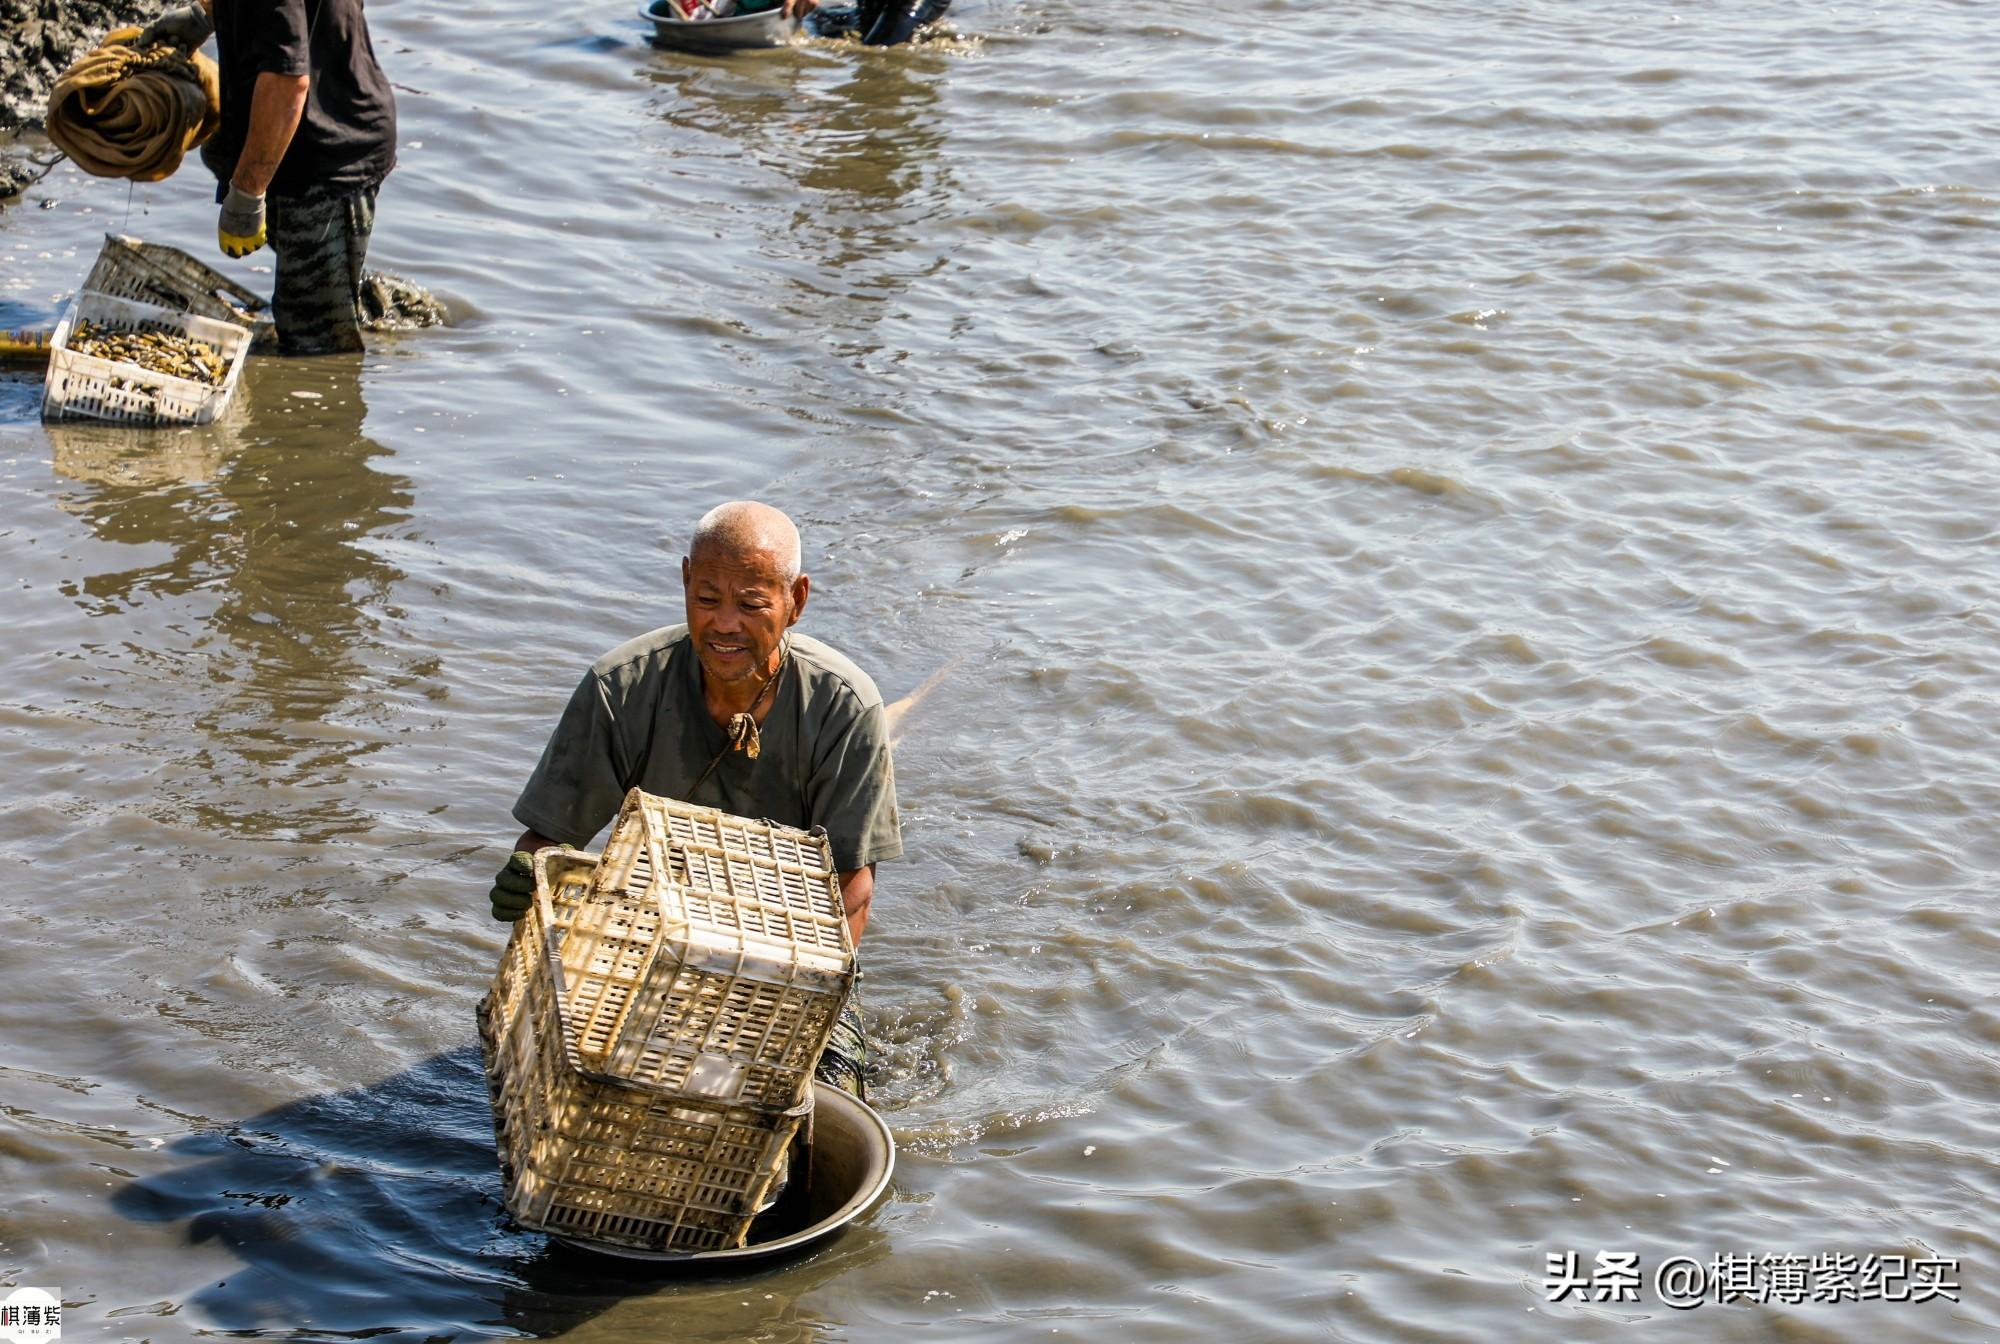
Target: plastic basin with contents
column 767, row 28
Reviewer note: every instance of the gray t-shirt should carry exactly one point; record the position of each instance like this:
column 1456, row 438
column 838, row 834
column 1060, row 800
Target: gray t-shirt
column 638, row 718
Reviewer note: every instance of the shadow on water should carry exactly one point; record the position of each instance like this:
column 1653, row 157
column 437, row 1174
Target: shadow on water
column 375, row 1213
column 263, row 524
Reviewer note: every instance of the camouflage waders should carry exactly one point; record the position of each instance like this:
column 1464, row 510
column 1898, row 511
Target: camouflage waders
column 842, row 1065
column 845, row 1062
column 321, row 240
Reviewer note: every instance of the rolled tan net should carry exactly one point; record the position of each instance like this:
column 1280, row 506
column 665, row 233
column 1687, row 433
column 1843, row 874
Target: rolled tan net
column 123, row 112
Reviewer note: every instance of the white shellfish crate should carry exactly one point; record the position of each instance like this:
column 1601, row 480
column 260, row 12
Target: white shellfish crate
column 712, row 957
column 599, row 1159
column 84, row 387
column 131, row 268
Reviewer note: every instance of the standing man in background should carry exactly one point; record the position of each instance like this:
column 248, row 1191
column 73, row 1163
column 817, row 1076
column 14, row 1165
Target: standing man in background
column 308, row 133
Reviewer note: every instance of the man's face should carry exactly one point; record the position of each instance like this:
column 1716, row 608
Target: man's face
column 738, row 608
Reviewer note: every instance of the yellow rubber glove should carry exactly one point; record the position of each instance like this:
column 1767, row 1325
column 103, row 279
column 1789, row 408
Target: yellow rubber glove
column 240, row 230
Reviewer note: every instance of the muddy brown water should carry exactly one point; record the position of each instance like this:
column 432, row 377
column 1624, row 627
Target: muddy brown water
column 1468, row 533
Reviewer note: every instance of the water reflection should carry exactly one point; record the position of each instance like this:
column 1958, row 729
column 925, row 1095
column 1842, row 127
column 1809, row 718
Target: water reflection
column 872, row 164
column 376, row 1212
column 262, row 525
column 857, row 139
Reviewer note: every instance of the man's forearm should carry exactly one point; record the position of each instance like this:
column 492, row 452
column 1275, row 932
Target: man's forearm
column 276, row 104
column 857, row 893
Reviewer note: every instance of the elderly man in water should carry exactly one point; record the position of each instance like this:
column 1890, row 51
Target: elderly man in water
column 734, row 710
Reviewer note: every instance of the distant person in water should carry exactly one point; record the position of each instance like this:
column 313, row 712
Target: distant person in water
column 881, row 23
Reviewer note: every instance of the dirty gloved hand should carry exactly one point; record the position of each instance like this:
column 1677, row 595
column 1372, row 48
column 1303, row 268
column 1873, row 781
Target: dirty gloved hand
column 187, row 28
column 240, row 230
column 514, row 889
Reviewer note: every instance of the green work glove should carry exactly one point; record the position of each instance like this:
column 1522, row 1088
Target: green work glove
column 186, row 28
column 514, row 889
column 240, row 230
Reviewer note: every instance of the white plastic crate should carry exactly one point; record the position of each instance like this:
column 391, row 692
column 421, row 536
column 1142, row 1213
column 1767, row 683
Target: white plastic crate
column 712, row 956
column 84, row 387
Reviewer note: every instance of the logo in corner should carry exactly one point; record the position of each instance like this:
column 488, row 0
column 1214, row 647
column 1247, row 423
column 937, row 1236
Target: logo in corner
column 31, row 1314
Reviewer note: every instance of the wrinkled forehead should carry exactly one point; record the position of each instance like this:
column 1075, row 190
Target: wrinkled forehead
column 738, row 567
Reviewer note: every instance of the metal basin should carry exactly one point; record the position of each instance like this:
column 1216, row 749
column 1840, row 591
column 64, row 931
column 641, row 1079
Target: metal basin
column 738, row 32
column 852, row 1157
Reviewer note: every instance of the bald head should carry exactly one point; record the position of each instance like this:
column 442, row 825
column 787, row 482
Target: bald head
column 744, row 590
column 748, row 534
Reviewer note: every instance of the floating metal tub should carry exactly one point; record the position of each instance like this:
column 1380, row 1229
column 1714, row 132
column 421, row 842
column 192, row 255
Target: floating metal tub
column 852, row 1157
column 738, row 32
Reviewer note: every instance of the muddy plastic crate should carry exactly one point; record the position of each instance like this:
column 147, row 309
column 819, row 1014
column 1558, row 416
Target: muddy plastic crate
column 593, row 1158
column 131, row 268
column 712, row 955
column 85, row 387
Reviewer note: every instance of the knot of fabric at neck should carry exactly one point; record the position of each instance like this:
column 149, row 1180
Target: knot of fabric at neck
column 743, row 734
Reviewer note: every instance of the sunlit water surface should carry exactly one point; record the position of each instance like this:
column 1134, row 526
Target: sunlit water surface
column 1464, row 540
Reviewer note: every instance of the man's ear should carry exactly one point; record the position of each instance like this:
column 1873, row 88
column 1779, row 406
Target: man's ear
column 801, row 590
column 686, row 568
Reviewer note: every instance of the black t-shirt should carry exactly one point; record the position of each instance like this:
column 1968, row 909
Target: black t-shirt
column 347, row 136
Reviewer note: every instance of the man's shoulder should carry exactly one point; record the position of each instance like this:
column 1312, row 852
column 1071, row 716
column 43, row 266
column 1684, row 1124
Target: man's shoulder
column 638, row 659
column 828, row 670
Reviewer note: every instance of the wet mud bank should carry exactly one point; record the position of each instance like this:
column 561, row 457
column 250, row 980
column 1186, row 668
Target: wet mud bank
column 38, row 40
